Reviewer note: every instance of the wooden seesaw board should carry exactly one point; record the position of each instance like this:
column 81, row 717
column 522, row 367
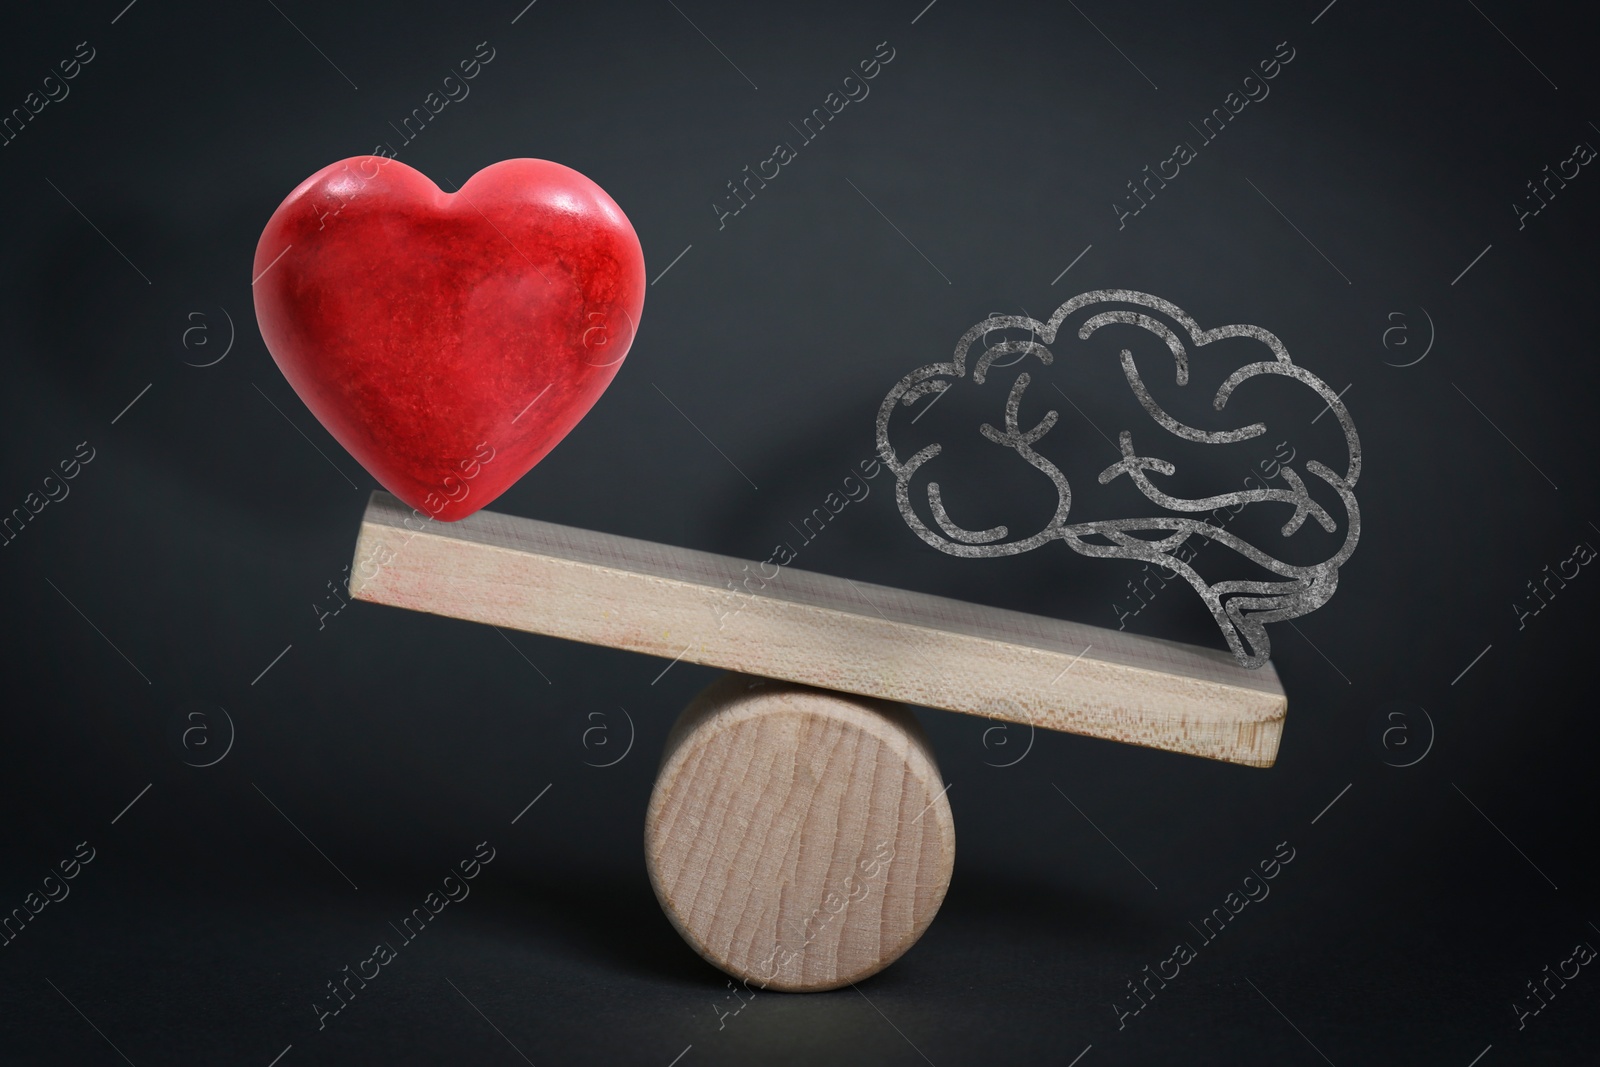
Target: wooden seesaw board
column 832, row 633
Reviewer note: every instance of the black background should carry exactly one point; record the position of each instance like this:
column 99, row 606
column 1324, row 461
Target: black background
column 192, row 548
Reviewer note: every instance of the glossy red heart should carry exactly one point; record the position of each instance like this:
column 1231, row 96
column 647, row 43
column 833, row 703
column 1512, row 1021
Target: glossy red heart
column 448, row 340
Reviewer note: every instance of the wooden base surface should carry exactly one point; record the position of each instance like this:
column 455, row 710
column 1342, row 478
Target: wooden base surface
column 798, row 839
column 834, row 633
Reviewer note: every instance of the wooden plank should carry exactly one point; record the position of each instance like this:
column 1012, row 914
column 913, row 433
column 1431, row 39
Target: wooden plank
column 798, row 626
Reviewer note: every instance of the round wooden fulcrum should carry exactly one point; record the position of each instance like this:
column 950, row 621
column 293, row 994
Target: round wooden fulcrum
column 799, row 839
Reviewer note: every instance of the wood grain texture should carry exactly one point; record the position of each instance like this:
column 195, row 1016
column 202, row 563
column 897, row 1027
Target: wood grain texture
column 798, row 839
column 833, row 633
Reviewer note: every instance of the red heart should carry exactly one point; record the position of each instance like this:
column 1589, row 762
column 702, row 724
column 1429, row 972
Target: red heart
column 448, row 340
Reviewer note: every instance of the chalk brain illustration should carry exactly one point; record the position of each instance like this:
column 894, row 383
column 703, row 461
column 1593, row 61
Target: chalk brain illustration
column 1272, row 549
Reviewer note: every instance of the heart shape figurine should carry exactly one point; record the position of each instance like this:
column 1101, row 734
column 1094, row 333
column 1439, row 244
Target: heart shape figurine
column 448, row 341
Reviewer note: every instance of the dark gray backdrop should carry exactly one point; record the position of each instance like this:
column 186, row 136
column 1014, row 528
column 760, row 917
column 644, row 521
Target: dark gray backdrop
column 1373, row 188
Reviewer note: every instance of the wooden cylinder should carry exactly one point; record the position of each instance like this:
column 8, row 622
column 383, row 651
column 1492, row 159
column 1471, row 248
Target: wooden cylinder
column 799, row 839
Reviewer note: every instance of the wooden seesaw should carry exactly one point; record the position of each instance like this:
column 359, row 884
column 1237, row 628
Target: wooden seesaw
column 798, row 835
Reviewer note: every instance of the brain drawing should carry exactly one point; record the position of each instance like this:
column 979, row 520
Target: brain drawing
column 1161, row 467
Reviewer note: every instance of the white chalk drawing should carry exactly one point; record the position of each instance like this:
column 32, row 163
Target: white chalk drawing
column 1241, row 608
